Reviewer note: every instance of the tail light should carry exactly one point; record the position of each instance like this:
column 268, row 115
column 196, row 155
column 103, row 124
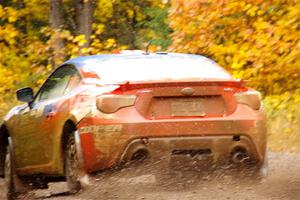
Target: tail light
column 112, row 103
column 250, row 98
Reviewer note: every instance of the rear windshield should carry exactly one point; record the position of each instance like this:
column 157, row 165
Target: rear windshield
column 155, row 69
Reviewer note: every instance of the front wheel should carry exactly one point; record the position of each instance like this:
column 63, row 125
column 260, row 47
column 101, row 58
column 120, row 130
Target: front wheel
column 14, row 185
column 9, row 174
column 72, row 165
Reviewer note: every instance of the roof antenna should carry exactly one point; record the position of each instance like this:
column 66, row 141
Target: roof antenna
column 147, row 47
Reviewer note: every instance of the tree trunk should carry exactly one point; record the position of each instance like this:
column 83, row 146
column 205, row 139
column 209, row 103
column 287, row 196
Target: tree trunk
column 56, row 24
column 84, row 18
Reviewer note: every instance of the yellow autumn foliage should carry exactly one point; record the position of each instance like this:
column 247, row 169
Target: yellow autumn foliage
column 26, row 54
column 255, row 40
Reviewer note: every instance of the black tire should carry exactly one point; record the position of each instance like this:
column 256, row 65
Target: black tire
column 260, row 170
column 14, row 184
column 9, row 174
column 72, row 165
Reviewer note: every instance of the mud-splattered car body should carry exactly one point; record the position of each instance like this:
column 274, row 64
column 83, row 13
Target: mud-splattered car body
column 122, row 116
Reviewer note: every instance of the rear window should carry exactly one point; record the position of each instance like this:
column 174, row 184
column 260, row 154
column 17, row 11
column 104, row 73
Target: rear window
column 156, row 69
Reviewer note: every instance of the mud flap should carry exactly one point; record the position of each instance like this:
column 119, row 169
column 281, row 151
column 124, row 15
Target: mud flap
column 264, row 168
column 82, row 175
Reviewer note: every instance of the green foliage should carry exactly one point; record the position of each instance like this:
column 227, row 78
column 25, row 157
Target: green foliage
column 155, row 28
column 133, row 23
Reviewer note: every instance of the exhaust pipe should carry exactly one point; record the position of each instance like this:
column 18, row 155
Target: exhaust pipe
column 239, row 156
column 140, row 155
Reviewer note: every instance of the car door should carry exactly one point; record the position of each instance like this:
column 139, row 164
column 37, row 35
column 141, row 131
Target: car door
column 45, row 118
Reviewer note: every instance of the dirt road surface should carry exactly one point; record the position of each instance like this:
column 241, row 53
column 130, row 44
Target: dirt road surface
column 144, row 183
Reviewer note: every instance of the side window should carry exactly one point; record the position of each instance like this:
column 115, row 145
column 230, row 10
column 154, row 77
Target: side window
column 73, row 82
column 59, row 83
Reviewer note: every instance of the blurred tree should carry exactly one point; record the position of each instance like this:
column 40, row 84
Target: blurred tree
column 84, row 18
column 56, row 24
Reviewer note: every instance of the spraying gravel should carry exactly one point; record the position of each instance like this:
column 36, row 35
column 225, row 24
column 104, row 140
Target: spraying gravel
column 145, row 182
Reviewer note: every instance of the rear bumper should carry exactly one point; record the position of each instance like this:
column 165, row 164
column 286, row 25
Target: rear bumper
column 218, row 148
column 107, row 142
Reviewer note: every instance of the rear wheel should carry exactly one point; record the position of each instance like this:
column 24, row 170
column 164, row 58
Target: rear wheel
column 258, row 171
column 72, row 165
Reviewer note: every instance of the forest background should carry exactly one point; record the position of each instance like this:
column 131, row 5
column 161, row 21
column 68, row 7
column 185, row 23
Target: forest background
column 256, row 40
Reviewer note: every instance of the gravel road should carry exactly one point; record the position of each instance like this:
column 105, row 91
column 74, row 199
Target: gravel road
column 141, row 183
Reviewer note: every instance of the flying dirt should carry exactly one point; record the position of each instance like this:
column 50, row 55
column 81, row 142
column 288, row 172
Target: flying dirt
column 147, row 182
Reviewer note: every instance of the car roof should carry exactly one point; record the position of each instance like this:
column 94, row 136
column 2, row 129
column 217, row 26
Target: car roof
column 80, row 62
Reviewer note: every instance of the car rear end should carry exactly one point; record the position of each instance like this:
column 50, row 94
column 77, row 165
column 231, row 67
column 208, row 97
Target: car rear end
column 213, row 120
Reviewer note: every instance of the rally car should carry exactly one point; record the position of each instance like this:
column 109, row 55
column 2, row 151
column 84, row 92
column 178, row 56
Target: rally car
column 100, row 111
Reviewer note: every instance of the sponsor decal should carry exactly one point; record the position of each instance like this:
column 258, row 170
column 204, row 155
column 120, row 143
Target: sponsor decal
column 47, row 109
column 101, row 129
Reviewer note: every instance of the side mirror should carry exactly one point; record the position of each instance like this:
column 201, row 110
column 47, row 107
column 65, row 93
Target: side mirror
column 25, row 94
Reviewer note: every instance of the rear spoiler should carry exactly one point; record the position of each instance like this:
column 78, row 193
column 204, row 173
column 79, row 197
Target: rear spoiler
column 138, row 85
